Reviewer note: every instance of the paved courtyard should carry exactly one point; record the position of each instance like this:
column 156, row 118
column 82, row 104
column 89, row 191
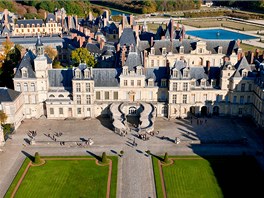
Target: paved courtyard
column 135, row 173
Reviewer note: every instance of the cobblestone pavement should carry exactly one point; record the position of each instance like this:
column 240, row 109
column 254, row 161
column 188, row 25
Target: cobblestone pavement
column 135, row 176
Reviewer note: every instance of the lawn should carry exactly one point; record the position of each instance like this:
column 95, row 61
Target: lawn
column 247, row 48
column 221, row 23
column 65, row 178
column 211, row 177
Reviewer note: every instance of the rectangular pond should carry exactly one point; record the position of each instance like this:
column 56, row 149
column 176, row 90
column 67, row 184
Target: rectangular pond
column 219, row 34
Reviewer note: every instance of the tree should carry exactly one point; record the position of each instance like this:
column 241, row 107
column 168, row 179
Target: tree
column 166, row 158
column 121, row 153
column 52, row 53
column 37, row 159
column 104, row 158
column 3, row 117
column 82, row 55
column 7, row 45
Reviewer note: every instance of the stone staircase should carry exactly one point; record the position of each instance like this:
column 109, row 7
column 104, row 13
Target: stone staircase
column 118, row 117
column 147, row 117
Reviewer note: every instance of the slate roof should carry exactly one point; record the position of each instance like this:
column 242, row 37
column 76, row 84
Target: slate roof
column 110, row 28
column 8, row 95
column 30, row 22
column 240, row 66
column 27, row 62
column 157, row 73
column 127, row 38
column 106, row 77
column 60, row 78
column 133, row 60
column 50, row 16
column 95, row 48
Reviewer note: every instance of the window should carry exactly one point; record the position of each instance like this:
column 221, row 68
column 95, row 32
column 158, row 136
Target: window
column 77, row 74
column 78, row 99
column 174, row 99
column 240, row 111
column 243, row 87
column 51, row 111
column 60, row 111
column 234, row 99
column 88, row 99
column 241, row 99
column 220, row 50
column 139, row 83
column 152, row 63
column 26, row 99
column 249, row 87
column 185, row 74
column 132, row 83
column 174, row 86
column 78, row 87
column 151, row 95
column 184, row 99
column 79, row 111
column 98, row 95
column 205, row 97
column 185, row 86
column 193, row 98
column 32, row 87
column 18, row 87
column 33, row 99
column 87, row 87
column 163, row 82
column 226, row 99
column 181, row 50
column 125, row 82
column 61, row 96
column 164, row 51
column 115, row 95
column 244, row 74
column 87, row 74
column 158, row 62
column 150, row 82
column 175, row 74
column 25, row 87
column 152, row 51
column 52, row 96
column 24, row 73
column 107, row 95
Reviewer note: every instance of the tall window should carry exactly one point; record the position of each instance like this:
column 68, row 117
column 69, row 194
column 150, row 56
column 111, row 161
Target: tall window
column 241, row 99
column 61, row 111
column 175, row 74
column 193, row 98
column 174, row 99
column 51, row 111
column 163, row 82
column 115, row 95
column 205, row 97
column 18, row 87
column 78, row 99
column 98, row 95
column 78, row 87
column 87, row 87
column 88, row 99
column 185, row 86
column 132, row 83
column 25, row 87
column 32, row 87
column 24, row 73
column 234, row 99
column 164, row 51
column 77, row 74
column 107, row 95
column 184, row 99
column 139, row 83
column 185, row 74
column 152, row 63
column 79, row 111
column 243, row 87
column 174, row 86
column 125, row 82
column 249, row 87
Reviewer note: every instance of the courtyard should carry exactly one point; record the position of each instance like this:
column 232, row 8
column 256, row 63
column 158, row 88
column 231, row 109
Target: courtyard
column 203, row 137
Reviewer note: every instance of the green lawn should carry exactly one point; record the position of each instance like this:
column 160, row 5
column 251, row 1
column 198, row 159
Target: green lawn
column 247, row 48
column 211, row 177
column 66, row 178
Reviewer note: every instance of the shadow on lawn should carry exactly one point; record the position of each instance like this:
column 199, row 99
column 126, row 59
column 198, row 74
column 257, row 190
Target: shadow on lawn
column 94, row 155
column 32, row 158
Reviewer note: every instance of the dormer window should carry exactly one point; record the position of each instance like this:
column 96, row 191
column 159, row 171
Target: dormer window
column 139, row 70
column 175, row 74
column 150, row 82
column 185, row 73
column 163, row 82
column 164, row 51
column 220, row 50
column 24, row 73
column 200, row 50
column 77, row 73
column 125, row 70
column 152, row 51
column 203, row 82
column 181, row 50
column 244, row 73
column 22, row 26
column 87, row 73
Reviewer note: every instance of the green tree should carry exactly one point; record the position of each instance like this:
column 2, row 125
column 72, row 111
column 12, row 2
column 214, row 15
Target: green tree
column 166, row 158
column 104, row 158
column 52, row 53
column 37, row 159
column 3, row 117
column 82, row 55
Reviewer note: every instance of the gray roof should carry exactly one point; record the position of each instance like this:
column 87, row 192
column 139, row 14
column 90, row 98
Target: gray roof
column 29, row 22
column 60, row 78
column 39, row 42
column 50, row 16
column 8, row 95
column 127, row 38
column 240, row 66
column 106, row 77
column 133, row 60
column 27, row 62
column 32, row 40
column 157, row 73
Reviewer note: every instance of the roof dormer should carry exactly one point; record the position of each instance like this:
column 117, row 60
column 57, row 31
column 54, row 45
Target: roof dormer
column 77, row 73
column 24, row 72
column 186, row 73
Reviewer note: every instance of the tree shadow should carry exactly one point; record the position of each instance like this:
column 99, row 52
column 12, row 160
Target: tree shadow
column 158, row 157
column 32, row 158
column 106, row 122
column 113, row 151
column 99, row 158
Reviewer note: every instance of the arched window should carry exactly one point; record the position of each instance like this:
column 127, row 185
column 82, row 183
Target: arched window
column 18, row 87
column 51, row 96
column 87, row 74
column 61, row 96
column 132, row 110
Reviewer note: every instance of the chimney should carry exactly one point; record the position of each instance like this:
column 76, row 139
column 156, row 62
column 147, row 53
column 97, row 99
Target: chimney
column 145, row 58
column 77, row 24
column 135, row 29
column 238, row 42
column 45, row 15
column 90, row 16
column 172, row 30
column 131, row 19
column 81, row 40
column 92, row 34
column 123, row 57
column 239, row 56
column 120, row 30
column 98, row 38
column 162, row 38
column 81, row 29
column 102, row 42
column 208, row 64
column 15, row 69
column 6, row 16
column 105, row 22
column 256, row 53
column 118, row 47
column 151, row 41
column 107, row 15
column 69, row 22
column 178, row 27
column 252, row 58
column 123, row 21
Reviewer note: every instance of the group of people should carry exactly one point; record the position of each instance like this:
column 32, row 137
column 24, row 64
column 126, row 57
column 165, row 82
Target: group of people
column 32, row 134
column 89, row 142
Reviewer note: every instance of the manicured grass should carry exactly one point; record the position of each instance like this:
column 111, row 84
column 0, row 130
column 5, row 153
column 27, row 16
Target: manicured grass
column 211, row 177
column 221, row 23
column 247, row 48
column 66, row 178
